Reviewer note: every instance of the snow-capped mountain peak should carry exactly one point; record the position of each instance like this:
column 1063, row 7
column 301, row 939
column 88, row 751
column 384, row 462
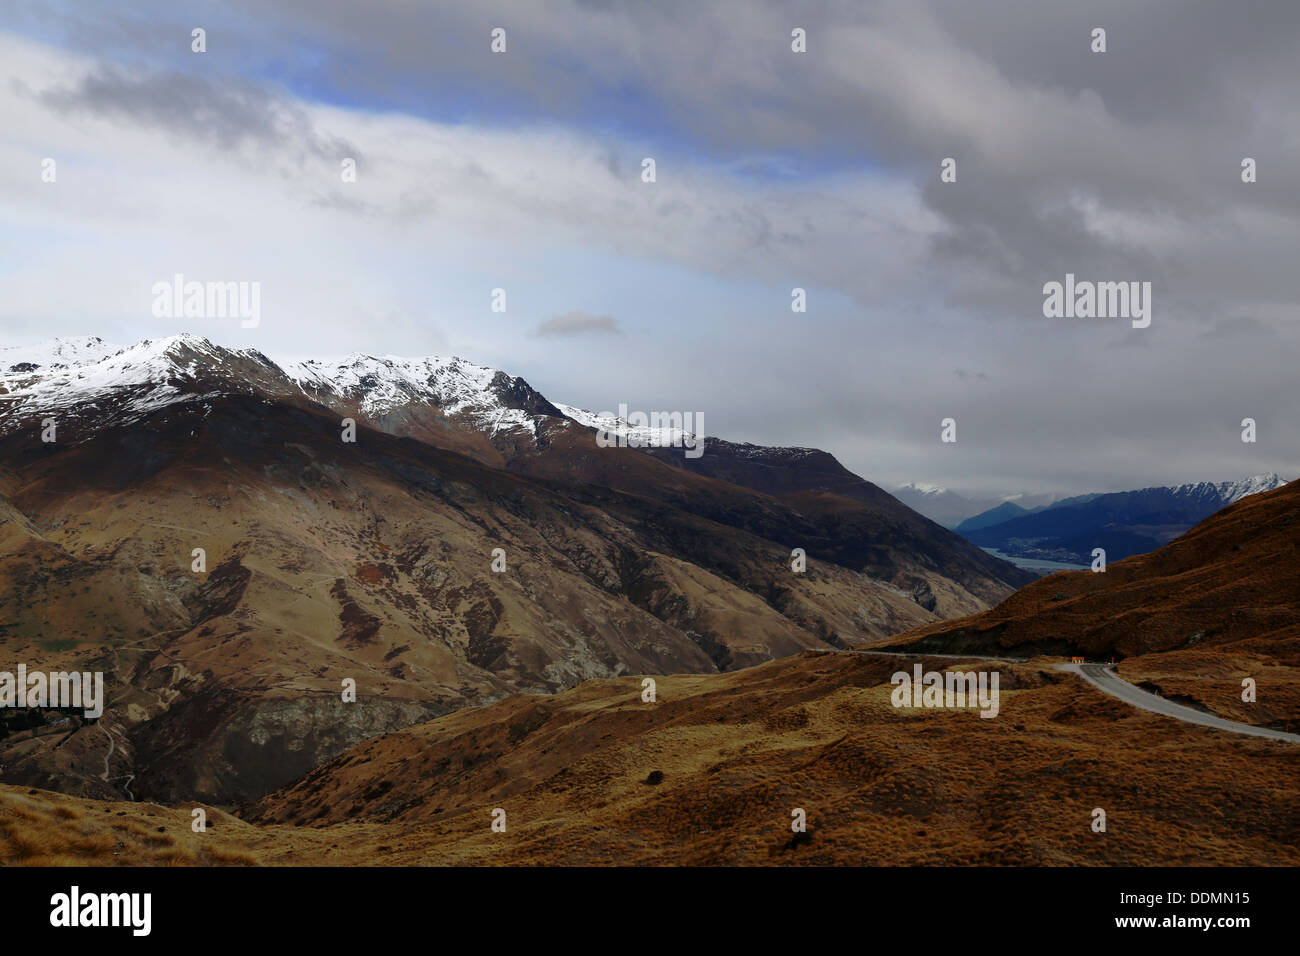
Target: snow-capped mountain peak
column 53, row 354
column 98, row 384
column 1230, row 491
column 122, row 384
column 483, row 397
column 381, row 383
column 67, row 374
column 922, row 488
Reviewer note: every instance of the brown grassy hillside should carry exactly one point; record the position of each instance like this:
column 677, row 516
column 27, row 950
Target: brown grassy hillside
column 711, row 772
column 1192, row 619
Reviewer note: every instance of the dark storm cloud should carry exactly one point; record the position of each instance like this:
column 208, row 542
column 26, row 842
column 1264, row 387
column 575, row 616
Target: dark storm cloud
column 225, row 114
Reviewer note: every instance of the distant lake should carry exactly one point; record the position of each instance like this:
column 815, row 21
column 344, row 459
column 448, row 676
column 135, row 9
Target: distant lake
column 1035, row 564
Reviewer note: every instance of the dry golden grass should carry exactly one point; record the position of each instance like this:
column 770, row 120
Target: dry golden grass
column 41, row 828
column 737, row 753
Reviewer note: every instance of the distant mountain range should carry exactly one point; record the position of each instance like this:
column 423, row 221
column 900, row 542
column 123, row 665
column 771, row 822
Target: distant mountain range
column 948, row 508
column 1217, row 603
column 1122, row 523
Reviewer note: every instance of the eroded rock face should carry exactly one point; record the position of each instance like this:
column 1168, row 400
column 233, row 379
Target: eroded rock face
column 252, row 747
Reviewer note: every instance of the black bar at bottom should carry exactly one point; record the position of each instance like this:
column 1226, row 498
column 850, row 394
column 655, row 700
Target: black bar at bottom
column 619, row 908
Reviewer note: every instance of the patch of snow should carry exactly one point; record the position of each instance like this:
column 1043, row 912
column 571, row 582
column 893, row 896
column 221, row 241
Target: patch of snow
column 1236, row 490
column 922, row 488
column 666, row 435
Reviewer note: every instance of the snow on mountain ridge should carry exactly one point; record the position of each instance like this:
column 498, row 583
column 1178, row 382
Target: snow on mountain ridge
column 922, row 488
column 54, row 353
column 380, row 384
column 786, row 453
column 1231, row 491
column 1225, row 492
column 64, row 373
column 634, row 435
column 1253, row 485
column 88, row 371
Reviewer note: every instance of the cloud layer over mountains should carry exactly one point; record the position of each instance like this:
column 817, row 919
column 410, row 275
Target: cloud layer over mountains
column 775, row 170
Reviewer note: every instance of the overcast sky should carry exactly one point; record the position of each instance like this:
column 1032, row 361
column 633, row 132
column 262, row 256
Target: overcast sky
column 775, row 169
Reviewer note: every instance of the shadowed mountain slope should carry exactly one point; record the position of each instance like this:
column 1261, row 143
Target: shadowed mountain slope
column 325, row 561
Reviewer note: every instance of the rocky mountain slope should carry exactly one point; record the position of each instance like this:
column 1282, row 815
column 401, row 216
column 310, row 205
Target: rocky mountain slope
column 711, row 772
column 373, row 560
